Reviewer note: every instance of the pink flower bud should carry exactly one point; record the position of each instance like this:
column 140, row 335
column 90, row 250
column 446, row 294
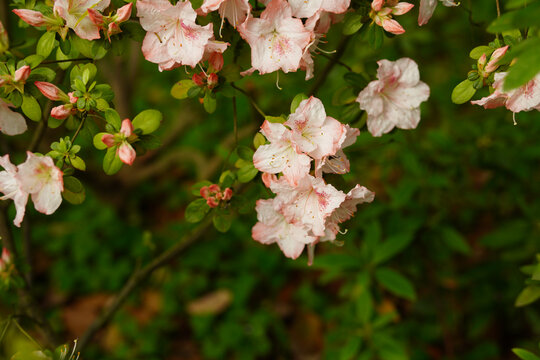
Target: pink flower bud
column 124, row 13
column 31, row 17
column 482, row 62
column 227, row 194
column 377, row 5
column 95, row 16
column 61, row 112
column 216, row 61
column 51, row 91
column 213, row 80
column 6, row 256
column 212, row 202
column 205, row 192
column 127, row 128
column 214, row 188
column 108, row 139
column 126, row 153
column 495, row 57
column 72, row 99
column 22, row 74
column 198, row 79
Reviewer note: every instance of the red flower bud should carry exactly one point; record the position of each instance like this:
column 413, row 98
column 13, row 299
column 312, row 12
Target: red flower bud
column 213, row 80
column 31, row 17
column 198, row 79
column 216, row 61
column 124, row 13
column 51, row 91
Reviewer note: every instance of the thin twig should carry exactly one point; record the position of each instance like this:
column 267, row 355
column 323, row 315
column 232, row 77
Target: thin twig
column 235, row 121
column 251, row 100
column 138, row 277
column 337, row 61
column 64, row 60
column 330, row 66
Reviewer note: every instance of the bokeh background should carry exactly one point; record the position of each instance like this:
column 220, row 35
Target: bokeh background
column 457, row 213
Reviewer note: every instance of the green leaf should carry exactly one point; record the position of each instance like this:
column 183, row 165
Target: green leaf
column 148, row 121
column 46, row 44
column 245, row 153
column 111, row 162
column 78, row 163
column 517, row 19
column 196, row 210
column 297, row 100
column 258, row 140
column 209, row 102
column 392, row 246
column 226, row 179
column 525, row 355
column 527, row 65
column 375, row 36
column 181, row 88
column 275, row 119
column 31, row 108
column 112, row 117
column 463, row 92
column 478, row 51
column 74, row 191
column 395, row 283
column 247, row 173
column 353, row 23
column 32, row 61
column 455, row 241
column 528, row 295
column 222, row 221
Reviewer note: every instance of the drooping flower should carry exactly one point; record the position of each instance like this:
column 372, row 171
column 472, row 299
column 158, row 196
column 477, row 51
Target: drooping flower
column 358, row 195
column 277, row 39
column 309, row 203
column 39, row 177
column 524, row 98
column 314, row 133
column 281, row 155
column 338, row 163
column 272, row 227
column 394, row 99
column 75, row 13
column 235, row 11
column 382, row 11
column 173, row 38
column 10, row 187
column 11, row 123
column 427, row 7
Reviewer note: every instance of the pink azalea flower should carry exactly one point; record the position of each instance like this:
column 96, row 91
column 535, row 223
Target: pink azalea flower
column 338, row 163
column 10, row 187
column 306, row 9
column 382, row 11
column 281, row 155
column 11, row 123
column 125, row 151
column 235, row 11
column 39, row 177
column 358, row 195
column 427, row 7
column 274, row 228
column 309, row 203
column 313, row 132
column 394, row 99
column 173, row 38
column 524, row 98
column 75, row 13
column 277, row 39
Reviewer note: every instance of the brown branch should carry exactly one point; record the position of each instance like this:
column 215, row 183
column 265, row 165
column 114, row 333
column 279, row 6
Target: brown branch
column 138, row 277
column 336, row 59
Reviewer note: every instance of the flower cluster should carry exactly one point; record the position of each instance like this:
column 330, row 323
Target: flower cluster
column 382, row 11
column 306, row 209
column 213, row 195
column 84, row 17
column 121, row 142
column 12, row 123
column 37, row 177
column 394, row 99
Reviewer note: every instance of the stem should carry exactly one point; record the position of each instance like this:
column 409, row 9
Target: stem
column 64, row 60
column 83, row 120
column 337, row 61
column 8, row 322
column 498, row 8
column 330, row 66
column 251, row 100
column 137, row 277
column 235, row 121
